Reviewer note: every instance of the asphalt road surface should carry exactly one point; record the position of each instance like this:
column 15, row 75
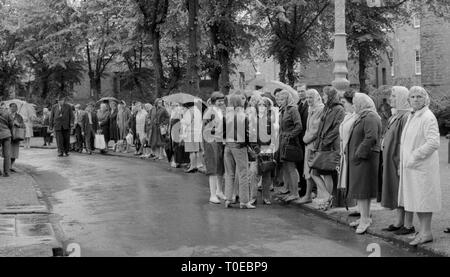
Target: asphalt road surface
column 115, row 206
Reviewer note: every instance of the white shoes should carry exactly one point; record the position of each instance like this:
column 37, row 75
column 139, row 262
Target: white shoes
column 221, row 196
column 214, row 200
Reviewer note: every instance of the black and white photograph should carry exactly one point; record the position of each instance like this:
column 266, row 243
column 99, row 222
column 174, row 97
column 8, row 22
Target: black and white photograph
column 225, row 134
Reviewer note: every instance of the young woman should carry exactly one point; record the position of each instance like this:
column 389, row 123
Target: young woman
column 315, row 109
column 235, row 153
column 214, row 147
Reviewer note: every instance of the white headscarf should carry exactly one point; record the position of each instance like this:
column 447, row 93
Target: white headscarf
column 401, row 99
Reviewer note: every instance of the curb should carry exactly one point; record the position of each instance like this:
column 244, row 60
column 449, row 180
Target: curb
column 376, row 233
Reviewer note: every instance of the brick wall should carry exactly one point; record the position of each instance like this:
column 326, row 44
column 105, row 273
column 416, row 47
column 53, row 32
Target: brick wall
column 435, row 45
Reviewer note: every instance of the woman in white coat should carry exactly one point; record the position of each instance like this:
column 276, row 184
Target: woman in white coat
column 419, row 189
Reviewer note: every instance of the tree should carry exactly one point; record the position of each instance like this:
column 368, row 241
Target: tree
column 193, row 78
column 230, row 30
column 154, row 16
column 298, row 32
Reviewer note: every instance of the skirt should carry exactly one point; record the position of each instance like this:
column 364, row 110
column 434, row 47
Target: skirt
column 28, row 130
column 192, row 147
column 214, row 158
column 15, row 145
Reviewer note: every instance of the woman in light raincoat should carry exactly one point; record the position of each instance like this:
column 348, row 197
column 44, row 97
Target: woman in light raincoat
column 420, row 189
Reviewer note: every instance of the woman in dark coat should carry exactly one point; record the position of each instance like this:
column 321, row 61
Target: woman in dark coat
column 6, row 124
column 364, row 158
column 290, row 129
column 391, row 160
column 113, row 128
column 159, row 119
column 328, row 140
column 179, row 156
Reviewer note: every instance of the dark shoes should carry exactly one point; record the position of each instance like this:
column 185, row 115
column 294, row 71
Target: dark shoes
column 355, row 214
column 405, row 231
column 191, row 170
column 60, row 155
column 392, row 228
column 67, row 154
column 447, row 230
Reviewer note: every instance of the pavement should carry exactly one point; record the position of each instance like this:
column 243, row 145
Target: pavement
column 381, row 217
column 26, row 228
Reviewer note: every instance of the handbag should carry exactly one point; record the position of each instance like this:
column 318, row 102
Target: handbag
column 163, row 129
column 324, row 160
column 99, row 142
column 18, row 134
column 266, row 163
column 129, row 139
column 291, row 153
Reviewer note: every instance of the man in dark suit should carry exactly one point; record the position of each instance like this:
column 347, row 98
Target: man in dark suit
column 303, row 110
column 89, row 124
column 61, row 121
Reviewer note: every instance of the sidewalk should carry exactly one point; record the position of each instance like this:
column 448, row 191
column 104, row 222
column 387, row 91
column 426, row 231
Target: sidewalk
column 25, row 228
column 382, row 217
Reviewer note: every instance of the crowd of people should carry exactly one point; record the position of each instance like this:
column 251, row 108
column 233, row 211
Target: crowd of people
column 329, row 148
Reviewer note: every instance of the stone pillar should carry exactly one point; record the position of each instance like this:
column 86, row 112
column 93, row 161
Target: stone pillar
column 340, row 48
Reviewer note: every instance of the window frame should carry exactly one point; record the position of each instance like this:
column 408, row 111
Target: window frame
column 418, row 62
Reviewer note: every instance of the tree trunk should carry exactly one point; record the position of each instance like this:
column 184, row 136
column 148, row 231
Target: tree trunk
column 362, row 71
column 215, row 77
column 283, row 68
column 157, row 63
column 224, row 79
column 193, row 64
column 290, row 72
column 97, row 82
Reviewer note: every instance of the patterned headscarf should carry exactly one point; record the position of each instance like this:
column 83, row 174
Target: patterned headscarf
column 362, row 103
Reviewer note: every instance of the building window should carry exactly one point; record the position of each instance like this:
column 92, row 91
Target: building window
column 391, row 60
column 383, row 76
column 416, row 20
column 418, row 63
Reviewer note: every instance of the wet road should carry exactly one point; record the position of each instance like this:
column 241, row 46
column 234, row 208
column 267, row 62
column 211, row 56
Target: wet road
column 127, row 207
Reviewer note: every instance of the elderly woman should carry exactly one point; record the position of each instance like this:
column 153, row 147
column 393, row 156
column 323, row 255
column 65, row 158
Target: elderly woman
column 289, row 150
column 103, row 121
column 235, row 153
column 15, row 144
column 214, row 148
column 6, row 124
column 328, row 142
column 158, row 128
column 390, row 150
column 420, row 189
column 363, row 158
column 315, row 109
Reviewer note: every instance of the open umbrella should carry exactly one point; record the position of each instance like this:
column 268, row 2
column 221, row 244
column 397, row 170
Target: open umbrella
column 272, row 85
column 25, row 109
column 181, row 98
column 109, row 98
